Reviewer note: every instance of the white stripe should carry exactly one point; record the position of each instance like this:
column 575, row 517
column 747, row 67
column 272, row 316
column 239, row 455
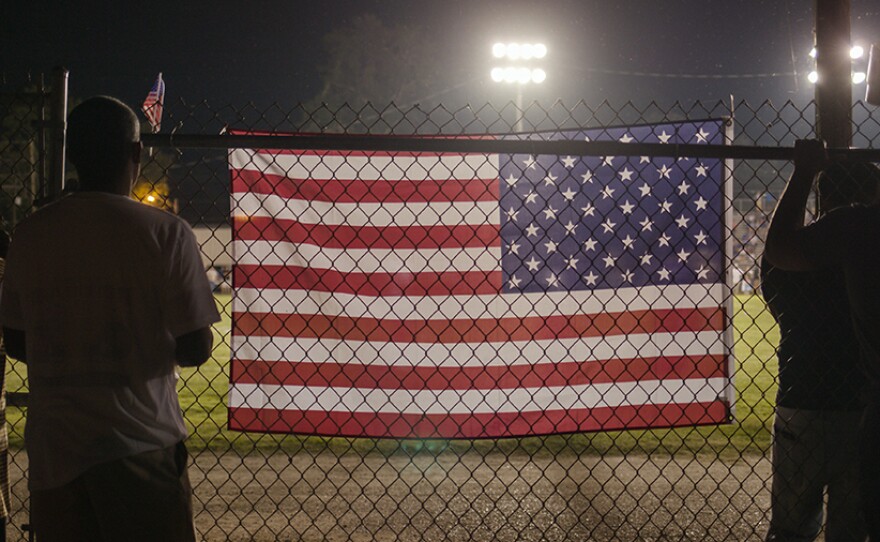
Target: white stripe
column 367, row 260
column 368, row 168
column 376, row 215
column 482, row 354
column 659, row 392
column 279, row 301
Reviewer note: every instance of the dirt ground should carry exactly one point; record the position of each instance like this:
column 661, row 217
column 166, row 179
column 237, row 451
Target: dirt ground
column 468, row 497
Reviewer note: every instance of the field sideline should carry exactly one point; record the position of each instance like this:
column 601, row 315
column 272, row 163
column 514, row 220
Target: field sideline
column 203, row 392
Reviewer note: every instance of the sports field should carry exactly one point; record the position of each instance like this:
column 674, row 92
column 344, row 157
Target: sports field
column 203, row 392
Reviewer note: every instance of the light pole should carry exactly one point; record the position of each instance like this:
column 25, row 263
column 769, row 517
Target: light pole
column 524, row 72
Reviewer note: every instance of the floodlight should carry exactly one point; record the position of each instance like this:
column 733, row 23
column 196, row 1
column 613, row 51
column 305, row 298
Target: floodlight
column 540, row 50
column 527, row 51
column 858, row 78
column 513, row 51
column 499, row 50
column 510, row 75
column 813, row 77
column 539, row 75
column 856, row 52
column 523, row 75
column 813, row 52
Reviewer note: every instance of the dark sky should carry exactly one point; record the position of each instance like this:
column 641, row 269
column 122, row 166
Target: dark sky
column 237, row 52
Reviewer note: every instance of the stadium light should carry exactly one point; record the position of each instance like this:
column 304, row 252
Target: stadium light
column 855, row 53
column 813, row 77
column 521, row 70
column 859, row 77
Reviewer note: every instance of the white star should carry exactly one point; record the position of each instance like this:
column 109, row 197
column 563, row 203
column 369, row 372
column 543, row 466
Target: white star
column 608, row 160
column 627, row 207
column 511, row 180
column 590, row 279
column 700, row 238
column 701, row 204
column 549, row 213
column 530, row 162
column 533, row 264
column 549, row 179
column 665, row 207
column 683, row 188
column 590, row 244
column 682, row 221
column 513, row 282
column 607, row 192
column 644, row 159
column 646, row 259
column 627, row 276
column 572, row 263
column 570, row 227
column 514, row 248
column 626, row 139
column 587, row 177
column 511, row 214
column 664, row 274
column 609, row 261
column 568, row 161
column 532, row 230
column 569, row 194
column 683, row 255
column 551, row 247
column 702, row 272
column 664, row 137
column 628, row 241
column 645, row 190
column 589, row 210
column 552, row 280
column 626, row 174
column 531, row 197
column 664, row 171
column 701, row 170
column 647, row 224
column 664, row 240
column 701, row 136
column 608, row 226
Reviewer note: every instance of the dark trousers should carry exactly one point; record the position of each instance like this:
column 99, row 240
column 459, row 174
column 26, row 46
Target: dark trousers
column 145, row 497
column 869, row 464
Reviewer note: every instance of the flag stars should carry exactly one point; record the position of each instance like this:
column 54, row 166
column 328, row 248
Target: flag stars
column 701, row 204
column 530, row 162
column 550, row 246
column 549, row 213
column 569, row 194
column 683, row 255
column 512, row 214
column 608, row 226
column 572, row 263
column 590, row 244
column 628, row 241
column 587, row 177
column 609, row 261
column 552, row 280
column 645, row 190
column 626, row 139
column 664, row 137
column 514, row 248
column 589, row 210
column 701, row 170
column 511, row 180
column 683, row 188
column 663, row 241
column 682, row 221
column 570, row 228
column 627, row 207
column 607, row 192
column 644, row 159
column 664, row 171
column 665, row 206
column 533, row 264
column 701, row 136
column 627, row 276
column 514, row 282
column 532, row 230
column 550, row 179
column 568, row 161
column 590, row 278
column 608, row 160
column 700, row 238
column 626, row 174
column 647, row 224
column 702, row 273
column 531, row 197
column 645, row 259
column 664, row 273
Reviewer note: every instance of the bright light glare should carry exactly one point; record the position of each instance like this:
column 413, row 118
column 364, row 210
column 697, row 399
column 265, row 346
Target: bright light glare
column 510, row 75
column 813, row 52
column 499, row 50
column 527, row 51
column 498, row 74
column 513, row 51
column 523, row 76
column 856, row 52
column 540, row 50
column 539, row 75
column 859, row 77
column 151, row 198
column 813, row 77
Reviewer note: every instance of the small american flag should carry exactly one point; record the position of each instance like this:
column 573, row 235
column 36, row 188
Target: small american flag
column 154, row 103
column 470, row 295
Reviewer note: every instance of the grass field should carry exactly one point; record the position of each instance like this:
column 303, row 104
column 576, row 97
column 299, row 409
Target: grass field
column 203, row 393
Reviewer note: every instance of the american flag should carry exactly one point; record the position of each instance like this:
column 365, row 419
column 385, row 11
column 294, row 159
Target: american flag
column 154, row 103
column 470, row 295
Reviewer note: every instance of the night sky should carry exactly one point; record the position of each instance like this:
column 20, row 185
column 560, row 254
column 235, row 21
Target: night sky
column 238, row 52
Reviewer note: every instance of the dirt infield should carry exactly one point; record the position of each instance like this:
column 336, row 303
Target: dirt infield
column 460, row 497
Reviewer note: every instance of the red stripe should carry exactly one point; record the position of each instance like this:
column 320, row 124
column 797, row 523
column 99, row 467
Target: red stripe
column 325, row 152
column 389, row 237
column 494, row 425
column 477, row 330
column 378, row 284
column 354, row 375
column 366, row 191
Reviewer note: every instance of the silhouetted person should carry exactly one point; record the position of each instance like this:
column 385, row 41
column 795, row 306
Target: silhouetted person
column 819, row 403
column 847, row 239
column 102, row 295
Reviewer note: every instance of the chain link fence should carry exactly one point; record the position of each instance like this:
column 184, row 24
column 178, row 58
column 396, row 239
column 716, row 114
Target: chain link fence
column 709, row 482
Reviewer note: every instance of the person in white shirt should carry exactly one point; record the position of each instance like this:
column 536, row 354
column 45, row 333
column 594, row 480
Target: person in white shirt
column 102, row 297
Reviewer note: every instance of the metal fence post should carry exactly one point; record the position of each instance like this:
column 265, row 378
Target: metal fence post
column 834, row 87
column 58, row 131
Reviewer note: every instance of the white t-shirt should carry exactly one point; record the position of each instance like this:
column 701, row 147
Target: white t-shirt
column 101, row 285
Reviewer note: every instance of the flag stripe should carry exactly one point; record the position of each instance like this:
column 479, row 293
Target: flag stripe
column 377, row 284
column 389, row 237
column 477, row 330
column 357, row 375
column 509, row 424
column 367, row 191
column 488, row 354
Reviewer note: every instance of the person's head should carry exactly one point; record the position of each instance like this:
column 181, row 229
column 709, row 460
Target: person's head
column 846, row 182
column 103, row 143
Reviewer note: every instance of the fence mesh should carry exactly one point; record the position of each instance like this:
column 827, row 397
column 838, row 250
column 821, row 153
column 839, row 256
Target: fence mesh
column 692, row 483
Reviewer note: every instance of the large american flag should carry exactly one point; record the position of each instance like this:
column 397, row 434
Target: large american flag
column 470, row 295
column 154, row 104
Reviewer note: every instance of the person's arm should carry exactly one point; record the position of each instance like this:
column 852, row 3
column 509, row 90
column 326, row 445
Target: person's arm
column 788, row 246
column 194, row 349
column 14, row 340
